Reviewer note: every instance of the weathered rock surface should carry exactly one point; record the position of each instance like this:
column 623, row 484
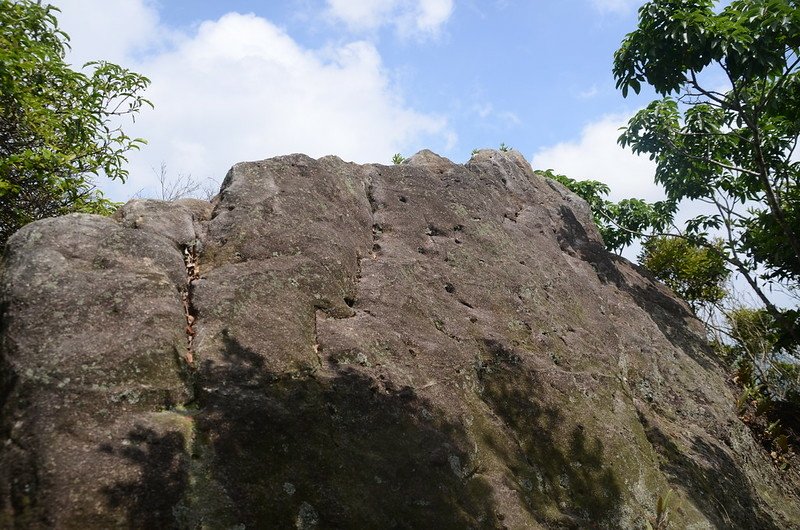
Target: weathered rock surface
column 428, row 345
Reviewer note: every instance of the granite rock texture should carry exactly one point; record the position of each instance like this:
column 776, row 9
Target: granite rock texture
column 332, row 345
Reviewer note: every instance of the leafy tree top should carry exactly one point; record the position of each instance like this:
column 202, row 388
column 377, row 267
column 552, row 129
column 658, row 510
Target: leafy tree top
column 726, row 139
column 59, row 127
column 676, row 39
column 696, row 274
column 731, row 148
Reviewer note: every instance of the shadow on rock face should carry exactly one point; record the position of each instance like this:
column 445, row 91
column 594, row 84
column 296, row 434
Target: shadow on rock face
column 8, row 377
column 563, row 477
column 151, row 498
column 665, row 311
column 719, row 488
column 347, row 451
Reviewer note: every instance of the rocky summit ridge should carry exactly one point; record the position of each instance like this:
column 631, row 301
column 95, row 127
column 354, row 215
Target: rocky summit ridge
column 332, row 345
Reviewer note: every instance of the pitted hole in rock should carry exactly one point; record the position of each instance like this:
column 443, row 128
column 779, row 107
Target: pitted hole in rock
column 449, row 288
column 434, row 231
column 350, row 301
column 403, row 198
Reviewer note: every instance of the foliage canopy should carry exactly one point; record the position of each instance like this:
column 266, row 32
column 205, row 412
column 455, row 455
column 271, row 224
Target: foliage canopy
column 620, row 223
column 696, row 274
column 59, row 127
column 726, row 127
column 724, row 132
column 730, row 147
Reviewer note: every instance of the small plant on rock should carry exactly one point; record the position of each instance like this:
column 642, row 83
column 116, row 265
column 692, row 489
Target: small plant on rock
column 661, row 519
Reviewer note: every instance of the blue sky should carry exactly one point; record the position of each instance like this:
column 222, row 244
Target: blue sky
column 529, row 70
column 363, row 79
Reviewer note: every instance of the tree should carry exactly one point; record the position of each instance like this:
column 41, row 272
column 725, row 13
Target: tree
column 59, row 128
column 620, row 223
column 724, row 132
column 729, row 147
column 696, row 274
column 180, row 186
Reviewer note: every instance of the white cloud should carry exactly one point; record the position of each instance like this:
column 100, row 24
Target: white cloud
column 362, row 14
column 597, row 156
column 484, row 110
column 589, row 93
column 617, row 6
column 409, row 17
column 111, row 30
column 240, row 88
column 431, row 14
column 510, row 118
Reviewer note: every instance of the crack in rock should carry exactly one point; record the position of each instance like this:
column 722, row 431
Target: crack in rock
column 192, row 274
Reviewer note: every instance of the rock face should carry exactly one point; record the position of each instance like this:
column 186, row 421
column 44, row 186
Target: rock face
column 329, row 345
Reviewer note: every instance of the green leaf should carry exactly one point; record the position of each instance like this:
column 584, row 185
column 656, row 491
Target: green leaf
column 59, row 126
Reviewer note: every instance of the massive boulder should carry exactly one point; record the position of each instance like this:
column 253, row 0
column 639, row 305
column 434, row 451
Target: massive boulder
column 331, row 345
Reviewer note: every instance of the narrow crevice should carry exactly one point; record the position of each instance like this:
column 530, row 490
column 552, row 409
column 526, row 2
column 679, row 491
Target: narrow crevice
column 192, row 274
column 373, row 203
column 377, row 232
column 377, row 227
